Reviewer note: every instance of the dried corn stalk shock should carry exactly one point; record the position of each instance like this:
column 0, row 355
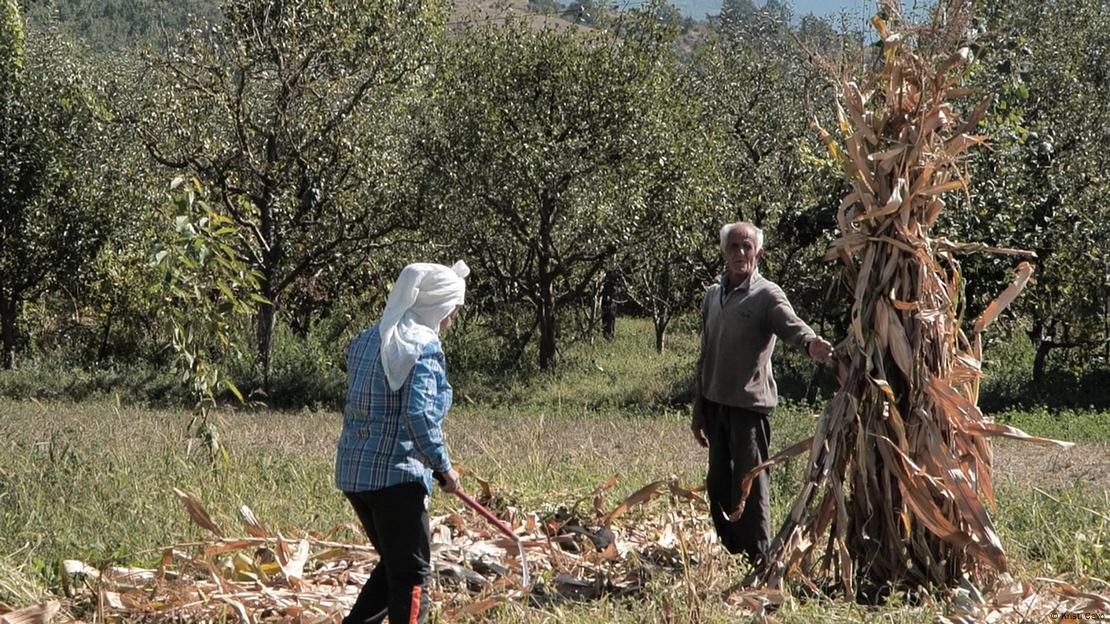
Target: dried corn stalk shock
column 898, row 478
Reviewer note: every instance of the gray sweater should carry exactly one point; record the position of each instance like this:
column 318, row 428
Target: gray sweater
column 737, row 340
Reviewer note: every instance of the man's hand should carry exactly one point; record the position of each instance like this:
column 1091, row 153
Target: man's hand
column 448, row 481
column 697, row 423
column 819, row 349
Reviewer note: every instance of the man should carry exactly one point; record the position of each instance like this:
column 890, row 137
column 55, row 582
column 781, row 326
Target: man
column 742, row 316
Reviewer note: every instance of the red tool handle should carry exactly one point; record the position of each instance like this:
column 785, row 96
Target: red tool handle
column 476, row 506
column 495, row 521
column 485, row 513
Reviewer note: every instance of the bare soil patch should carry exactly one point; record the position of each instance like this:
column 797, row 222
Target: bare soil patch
column 1085, row 465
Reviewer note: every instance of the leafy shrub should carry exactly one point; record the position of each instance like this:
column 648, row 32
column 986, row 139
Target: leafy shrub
column 308, row 371
column 47, row 378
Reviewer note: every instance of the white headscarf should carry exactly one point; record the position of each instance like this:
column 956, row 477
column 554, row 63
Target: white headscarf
column 422, row 297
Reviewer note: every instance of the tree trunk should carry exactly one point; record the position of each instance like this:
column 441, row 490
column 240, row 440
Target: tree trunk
column 264, row 333
column 662, row 319
column 271, row 242
column 661, row 312
column 1043, row 337
column 608, row 308
column 8, row 308
column 1040, row 360
column 546, row 265
column 548, row 325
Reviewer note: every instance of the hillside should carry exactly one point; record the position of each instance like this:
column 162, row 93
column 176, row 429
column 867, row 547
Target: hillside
column 493, row 10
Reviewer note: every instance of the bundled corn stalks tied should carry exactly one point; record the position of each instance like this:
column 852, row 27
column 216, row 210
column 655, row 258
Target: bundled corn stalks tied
column 899, row 469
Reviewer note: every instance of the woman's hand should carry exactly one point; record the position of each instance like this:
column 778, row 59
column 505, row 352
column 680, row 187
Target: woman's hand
column 448, row 481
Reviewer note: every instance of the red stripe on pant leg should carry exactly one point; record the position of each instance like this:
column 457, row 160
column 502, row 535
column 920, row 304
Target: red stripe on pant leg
column 414, row 608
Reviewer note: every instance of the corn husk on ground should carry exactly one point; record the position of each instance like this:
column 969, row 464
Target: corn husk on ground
column 898, row 481
column 589, row 551
column 658, row 537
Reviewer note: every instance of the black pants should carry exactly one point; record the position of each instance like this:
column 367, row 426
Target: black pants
column 738, row 441
column 396, row 521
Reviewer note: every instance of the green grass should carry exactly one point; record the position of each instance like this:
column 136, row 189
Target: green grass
column 93, row 480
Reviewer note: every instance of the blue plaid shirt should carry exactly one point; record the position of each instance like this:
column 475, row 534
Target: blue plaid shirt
column 391, row 437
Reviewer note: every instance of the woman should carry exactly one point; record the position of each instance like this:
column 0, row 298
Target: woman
column 392, row 438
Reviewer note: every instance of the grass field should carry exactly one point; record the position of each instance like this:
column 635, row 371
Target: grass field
column 94, row 481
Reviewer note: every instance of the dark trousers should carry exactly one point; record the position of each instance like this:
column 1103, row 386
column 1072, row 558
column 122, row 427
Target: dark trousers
column 738, row 441
column 396, row 521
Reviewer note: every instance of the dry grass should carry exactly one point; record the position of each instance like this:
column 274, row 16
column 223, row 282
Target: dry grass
column 94, row 472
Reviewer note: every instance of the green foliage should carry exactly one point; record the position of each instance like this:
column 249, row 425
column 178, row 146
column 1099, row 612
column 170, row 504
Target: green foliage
column 51, row 379
column 1042, row 185
column 94, row 482
column 1062, row 531
column 309, row 369
column 554, row 162
column 18, row 585
column 625, row 373
column 54, row 220
column 548, row 138
column 11, row 46
column 205, row 286
column 1009, row 385
column 761, row 93
column 678, row 198
column 293, row 115
column 110, row 26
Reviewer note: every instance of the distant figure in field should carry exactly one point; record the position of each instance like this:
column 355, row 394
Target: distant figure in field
column 742, row 316
column 392, row 438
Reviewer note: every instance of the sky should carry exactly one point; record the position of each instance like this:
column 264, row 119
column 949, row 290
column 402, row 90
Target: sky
column 863, row 9
column 834, row 7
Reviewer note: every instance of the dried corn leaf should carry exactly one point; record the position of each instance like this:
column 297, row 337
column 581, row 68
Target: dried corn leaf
column 936, row 119
column 463, row 471
column 229, row 545
column 976, row 116
column 639, row 497
column 746, row 485
column 1024, row 272
column 687, row 494
column 34, row 614
column 917, row 487
column 992, row 429
column 857, row 112
column 937, row 189
column 481, row 606
column 197, row 512
column 888, row 158
column 292, row 564
column 966, row 499
column 253, row 526
column 834, row 149
column 893, row 203
column 857, row 161
column 899, row 345
column 956, row 145
column 599, row 495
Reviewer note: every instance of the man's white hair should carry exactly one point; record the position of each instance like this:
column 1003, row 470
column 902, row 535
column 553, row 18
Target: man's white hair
column 727, row 229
